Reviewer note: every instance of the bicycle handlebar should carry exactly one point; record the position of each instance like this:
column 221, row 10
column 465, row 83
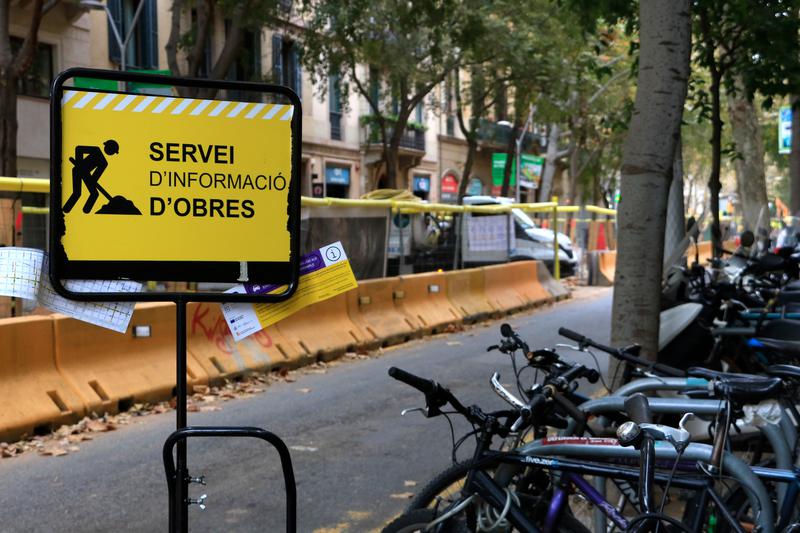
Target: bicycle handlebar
column 425, row 386
column 582, row 340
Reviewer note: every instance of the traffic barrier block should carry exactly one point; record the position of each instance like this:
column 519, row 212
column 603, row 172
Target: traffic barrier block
column 371, row 307
column 424, row 297
column 324, row 329
column 111, row 371
column 525, row 275
column 466, row 291
column 606, row 268
column 555, row 288
column 501, row 287
column 210, row 342
column 35, row 398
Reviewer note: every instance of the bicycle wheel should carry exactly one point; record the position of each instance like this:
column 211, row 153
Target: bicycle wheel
column 418, row 519
column 530, row 487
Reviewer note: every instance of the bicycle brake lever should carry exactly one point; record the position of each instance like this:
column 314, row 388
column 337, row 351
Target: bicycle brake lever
column 404, row 412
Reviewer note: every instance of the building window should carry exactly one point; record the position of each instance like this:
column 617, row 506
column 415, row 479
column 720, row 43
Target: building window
column 286, row 64
column 375, row 87
column 142, row 50
column 36, row 82
column 335, row 104
column 337, row 181
column 247, row 64
column 448, row 106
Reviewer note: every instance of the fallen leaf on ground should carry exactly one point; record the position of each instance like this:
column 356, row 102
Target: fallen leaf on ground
column 304, row 390
column 99, row 426
column 208, row 408
column 402, row 495
column 54, row 451
column 454, row 343
column 408, row 483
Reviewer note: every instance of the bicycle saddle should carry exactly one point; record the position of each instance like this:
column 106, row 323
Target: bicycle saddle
column 787, row 348
column 743, row 388
column 784, row 371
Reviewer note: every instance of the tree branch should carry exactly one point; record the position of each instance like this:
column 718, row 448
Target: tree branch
column 24, row 57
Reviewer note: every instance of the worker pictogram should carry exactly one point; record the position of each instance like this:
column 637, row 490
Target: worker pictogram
column 88, row 165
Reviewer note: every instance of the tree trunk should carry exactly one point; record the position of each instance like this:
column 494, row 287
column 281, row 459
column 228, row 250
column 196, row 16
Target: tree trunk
column 676, row 225
column 511, row 151
column 392, row 157
column 794, row 158
column 8, row 123
column 549, row 162
column 648, row 152
column 750, row 177
column 714, row 184
column 472, row 148
column 574, row 164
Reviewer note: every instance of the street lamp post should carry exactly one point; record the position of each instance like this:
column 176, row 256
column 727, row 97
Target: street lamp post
column 122, row 43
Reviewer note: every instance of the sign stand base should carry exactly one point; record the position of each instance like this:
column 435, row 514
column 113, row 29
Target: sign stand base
column 175, row 465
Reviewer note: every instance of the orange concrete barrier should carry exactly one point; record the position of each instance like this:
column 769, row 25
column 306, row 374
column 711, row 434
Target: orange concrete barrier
column 704, row 252
column 466, row 291
column 35, row 398
column 607, row 265
column 424, row 297
column 526, row 280
column 500, row 287
column 111, row 370
column 210, row 342
column 324, row 329
column 371, row 307
column 556, row 289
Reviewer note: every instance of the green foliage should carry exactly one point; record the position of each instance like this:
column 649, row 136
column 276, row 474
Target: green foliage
column 412, row 45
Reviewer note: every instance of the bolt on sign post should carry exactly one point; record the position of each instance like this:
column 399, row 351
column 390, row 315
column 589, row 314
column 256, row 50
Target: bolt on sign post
column 150, row 187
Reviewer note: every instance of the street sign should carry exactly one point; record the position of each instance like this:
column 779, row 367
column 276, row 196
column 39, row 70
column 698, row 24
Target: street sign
column 155, row 187
column 785, row 131
column 530, row 167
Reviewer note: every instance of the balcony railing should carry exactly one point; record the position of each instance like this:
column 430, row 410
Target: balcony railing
column 412, row 138
column 500, row 135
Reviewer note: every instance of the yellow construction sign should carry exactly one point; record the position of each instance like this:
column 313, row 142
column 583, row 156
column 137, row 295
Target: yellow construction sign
column 159, row 178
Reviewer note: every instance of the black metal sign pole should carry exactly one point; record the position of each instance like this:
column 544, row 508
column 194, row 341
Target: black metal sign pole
column 181, row 472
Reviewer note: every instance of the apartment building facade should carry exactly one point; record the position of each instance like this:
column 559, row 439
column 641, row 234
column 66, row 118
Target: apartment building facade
column 340, row 154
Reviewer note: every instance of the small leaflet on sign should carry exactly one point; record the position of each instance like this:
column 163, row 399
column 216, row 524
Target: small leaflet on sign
column 23, row 274
column 324, row 274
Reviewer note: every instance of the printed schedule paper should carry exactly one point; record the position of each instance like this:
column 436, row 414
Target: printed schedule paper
column 23, row 274
column 324, row 273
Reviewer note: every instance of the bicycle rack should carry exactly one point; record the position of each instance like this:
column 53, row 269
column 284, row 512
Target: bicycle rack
column 177, row 471
column 179, row 484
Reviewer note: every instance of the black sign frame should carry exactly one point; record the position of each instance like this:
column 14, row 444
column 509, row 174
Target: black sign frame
column 208, row 271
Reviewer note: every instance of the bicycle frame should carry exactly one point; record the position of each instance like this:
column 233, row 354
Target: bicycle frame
column 537, row 453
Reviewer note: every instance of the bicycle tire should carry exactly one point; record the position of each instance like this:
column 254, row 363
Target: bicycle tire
column 416, row 520
column 449, row 482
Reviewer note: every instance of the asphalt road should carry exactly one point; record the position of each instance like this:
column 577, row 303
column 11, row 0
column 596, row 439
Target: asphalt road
column 353, row 454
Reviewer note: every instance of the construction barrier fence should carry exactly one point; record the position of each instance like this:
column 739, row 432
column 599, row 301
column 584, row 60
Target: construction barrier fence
column 56, row 369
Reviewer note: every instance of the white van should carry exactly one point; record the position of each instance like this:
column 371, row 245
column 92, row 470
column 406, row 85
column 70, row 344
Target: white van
column 523, row 238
